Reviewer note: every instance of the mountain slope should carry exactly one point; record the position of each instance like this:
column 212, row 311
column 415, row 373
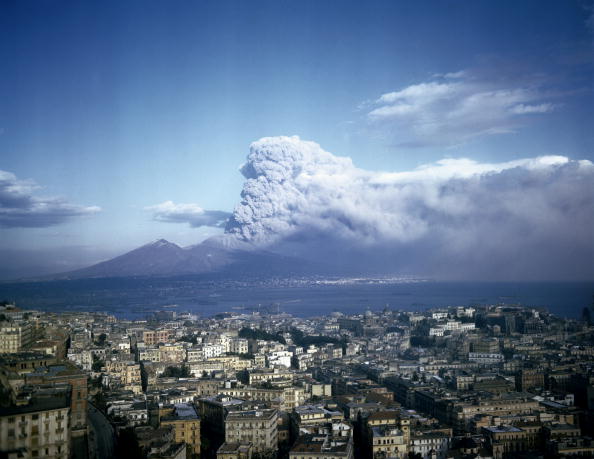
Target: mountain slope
column 162, row 258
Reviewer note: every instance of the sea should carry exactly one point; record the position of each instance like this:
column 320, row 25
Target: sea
column 138, row 298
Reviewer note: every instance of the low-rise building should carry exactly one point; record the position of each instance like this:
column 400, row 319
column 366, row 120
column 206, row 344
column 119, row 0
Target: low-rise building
column 432, row 444
column 332, row 441
column 186, row 426
column 149, row 354
column 388, row 442
column 259, row 427
column 235, row 451
column 154, row 337
column 505, row 440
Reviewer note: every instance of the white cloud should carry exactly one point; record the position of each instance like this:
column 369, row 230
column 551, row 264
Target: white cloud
column 460, row 74
column 522, row 109
column 192, row 214
column 453, row 109
column 477, row 216
column 20, row 208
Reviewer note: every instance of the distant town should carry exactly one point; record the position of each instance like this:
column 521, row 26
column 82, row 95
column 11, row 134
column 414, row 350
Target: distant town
column 492, row 381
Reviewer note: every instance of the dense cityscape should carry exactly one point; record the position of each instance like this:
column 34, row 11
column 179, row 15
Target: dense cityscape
column 296, row 229
column 490, row 381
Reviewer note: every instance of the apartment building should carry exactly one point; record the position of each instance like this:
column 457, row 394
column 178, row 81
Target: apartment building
column 154, row 337
column 57, row 375
column 186, row 427
column 388, row 441
column 259, row 427
column 37, row 426
column 15, row 336
column 330, row 441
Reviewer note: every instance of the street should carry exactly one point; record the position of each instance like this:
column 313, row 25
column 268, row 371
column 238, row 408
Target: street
column 101, row 435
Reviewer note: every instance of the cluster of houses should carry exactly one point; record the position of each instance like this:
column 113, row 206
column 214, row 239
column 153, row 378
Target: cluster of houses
column 490, row 381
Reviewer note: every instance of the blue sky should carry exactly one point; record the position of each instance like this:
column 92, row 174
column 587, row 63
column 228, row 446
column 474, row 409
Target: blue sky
column 108, row 109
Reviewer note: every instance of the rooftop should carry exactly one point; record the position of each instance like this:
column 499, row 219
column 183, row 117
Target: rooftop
column 234, row 448
column 266, row 414
column 311, row 443
column 42, row 401
column 502, row 429
column 185, row 411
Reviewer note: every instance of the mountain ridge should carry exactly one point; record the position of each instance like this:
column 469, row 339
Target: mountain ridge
column 162, row 258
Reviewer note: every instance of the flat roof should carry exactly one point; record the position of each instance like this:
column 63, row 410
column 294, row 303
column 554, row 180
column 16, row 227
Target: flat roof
column 185, row 411
column 265, row 413
column 502, row 429
column 47, row 402
column 234, row 447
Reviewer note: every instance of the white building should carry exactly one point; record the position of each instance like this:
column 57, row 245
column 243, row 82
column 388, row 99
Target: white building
column 280, row 358
column 238, row 346
column 212, row 350
column 484, row 358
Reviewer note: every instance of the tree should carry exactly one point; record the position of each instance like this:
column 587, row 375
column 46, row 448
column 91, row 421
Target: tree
column 176, row 372
column 300, row 339
column 189, row 339
column 127, row 445
column 97, row 364
column 480, row 321
column 101, row 339
column 100, row 402
column 249, row 333
column 143, row 377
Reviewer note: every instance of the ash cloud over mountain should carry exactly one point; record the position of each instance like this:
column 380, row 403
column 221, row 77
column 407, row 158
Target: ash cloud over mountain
column 456, row 218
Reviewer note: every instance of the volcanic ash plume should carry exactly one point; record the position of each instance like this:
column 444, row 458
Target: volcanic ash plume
column 452, row 210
